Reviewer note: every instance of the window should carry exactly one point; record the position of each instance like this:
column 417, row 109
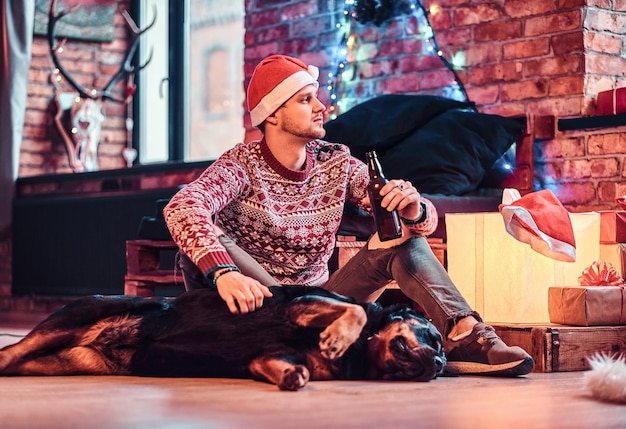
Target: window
column 191, row 95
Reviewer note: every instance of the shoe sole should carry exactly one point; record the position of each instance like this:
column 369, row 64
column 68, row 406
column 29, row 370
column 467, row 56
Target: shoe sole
column 509, row 369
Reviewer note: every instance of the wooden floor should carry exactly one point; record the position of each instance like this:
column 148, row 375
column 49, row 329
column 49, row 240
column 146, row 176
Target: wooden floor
column 549, row 400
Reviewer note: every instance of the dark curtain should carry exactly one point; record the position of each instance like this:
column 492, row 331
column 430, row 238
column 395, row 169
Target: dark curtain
column 16, row 36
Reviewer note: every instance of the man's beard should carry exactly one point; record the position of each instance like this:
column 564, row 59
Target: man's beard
column 310, row 133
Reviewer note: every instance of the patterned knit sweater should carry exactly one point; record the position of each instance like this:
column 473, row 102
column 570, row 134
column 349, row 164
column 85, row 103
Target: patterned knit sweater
column 285, row 219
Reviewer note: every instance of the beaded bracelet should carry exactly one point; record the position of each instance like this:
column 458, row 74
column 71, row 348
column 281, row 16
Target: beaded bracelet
column 222, row 272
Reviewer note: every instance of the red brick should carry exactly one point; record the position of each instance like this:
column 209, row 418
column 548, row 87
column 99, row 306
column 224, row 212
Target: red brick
column 310, row 26
column 569, row 85
column 398, row 47
column 454, row 37
column 602, row 20
column 505, row 108
column 552, row 66
column 526, row 49
column 441, row 20
column 575, row 193
column 483, row 12
column 585, row 168
column 261, row 19
column 276, row 32
column 412, row 63
column 369, row 34
column 522, row 8
column 565, row 106
column 302, row 44
column 561, row 148
column 523, row 90
column 606, row 144
column 483, row 53
column 298, row 10
column 619, row 5
column 608, row 191
column 605, row 64
column 604, row 43
column 484, row 95
column 436, row 79
column 568, row 4
column 495, row 73
column 408, row 83
column 567, row 43
column 557, row 22
column 498, row 31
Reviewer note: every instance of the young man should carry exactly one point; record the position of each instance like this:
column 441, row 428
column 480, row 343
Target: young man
column 267, row 212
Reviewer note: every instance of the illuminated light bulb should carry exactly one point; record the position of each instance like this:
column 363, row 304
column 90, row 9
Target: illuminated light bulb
column 434, row 9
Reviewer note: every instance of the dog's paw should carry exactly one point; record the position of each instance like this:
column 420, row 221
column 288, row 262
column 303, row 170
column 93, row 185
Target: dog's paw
column 334, row 342
column 294, row 378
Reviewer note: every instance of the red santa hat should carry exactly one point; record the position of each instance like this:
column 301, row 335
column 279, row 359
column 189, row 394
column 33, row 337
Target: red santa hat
column 540, row 220
column 274, row 80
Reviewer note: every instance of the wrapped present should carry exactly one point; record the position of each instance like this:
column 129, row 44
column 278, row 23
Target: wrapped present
column 612, row 226
column 611, row 102
column 587, row 305
column 599, row 300
column 614, row 255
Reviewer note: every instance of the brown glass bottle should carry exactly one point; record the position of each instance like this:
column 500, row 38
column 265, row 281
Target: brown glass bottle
column 387, row 222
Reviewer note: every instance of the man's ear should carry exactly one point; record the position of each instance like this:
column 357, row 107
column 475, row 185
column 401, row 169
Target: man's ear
column 272, row 119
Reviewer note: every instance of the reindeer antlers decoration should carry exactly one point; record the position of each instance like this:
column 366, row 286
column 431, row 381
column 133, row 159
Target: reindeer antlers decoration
column 86, row 113
column 126, row 68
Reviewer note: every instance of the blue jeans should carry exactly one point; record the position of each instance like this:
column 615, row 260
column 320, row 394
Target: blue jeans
column 412, row 265
column 416, row 270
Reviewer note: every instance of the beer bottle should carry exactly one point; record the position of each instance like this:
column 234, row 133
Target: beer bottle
column 387, row 222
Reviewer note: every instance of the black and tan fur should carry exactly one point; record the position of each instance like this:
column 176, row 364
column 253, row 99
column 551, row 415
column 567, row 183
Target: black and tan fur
column 300, row 334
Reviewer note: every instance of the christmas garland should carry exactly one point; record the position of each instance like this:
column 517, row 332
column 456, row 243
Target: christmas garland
column 379, row 11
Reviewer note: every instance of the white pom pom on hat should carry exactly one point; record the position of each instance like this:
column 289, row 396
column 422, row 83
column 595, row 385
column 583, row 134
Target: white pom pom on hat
column 274, row 80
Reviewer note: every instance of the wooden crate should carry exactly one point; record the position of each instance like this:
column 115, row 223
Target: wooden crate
column 143, row 267
column 563, row 348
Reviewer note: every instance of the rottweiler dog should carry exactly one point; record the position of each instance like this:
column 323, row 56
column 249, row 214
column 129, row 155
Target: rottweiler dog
column 300, row 334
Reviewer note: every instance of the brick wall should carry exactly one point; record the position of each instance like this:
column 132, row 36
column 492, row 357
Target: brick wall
column 91, row 64
column 546, row 58
column 539, row 57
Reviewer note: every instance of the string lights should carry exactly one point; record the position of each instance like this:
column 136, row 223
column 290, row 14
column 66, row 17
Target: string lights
column 357, row 13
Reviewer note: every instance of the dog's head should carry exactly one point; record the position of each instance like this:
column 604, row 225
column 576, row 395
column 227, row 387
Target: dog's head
column 406, row 347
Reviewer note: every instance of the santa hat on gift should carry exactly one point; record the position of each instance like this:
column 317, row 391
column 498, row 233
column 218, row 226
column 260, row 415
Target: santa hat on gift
column 540, row 220
column 274, row 81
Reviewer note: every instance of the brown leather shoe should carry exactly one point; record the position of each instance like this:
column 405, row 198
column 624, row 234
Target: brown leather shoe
column 482, row 352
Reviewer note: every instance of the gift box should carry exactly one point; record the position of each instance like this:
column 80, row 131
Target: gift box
column 504, row 279
column 611, row 102
column 612, row 226
column 587, row 305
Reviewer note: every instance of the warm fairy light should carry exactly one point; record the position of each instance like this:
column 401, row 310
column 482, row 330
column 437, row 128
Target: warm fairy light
column 345, row 53
column 434, row 9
